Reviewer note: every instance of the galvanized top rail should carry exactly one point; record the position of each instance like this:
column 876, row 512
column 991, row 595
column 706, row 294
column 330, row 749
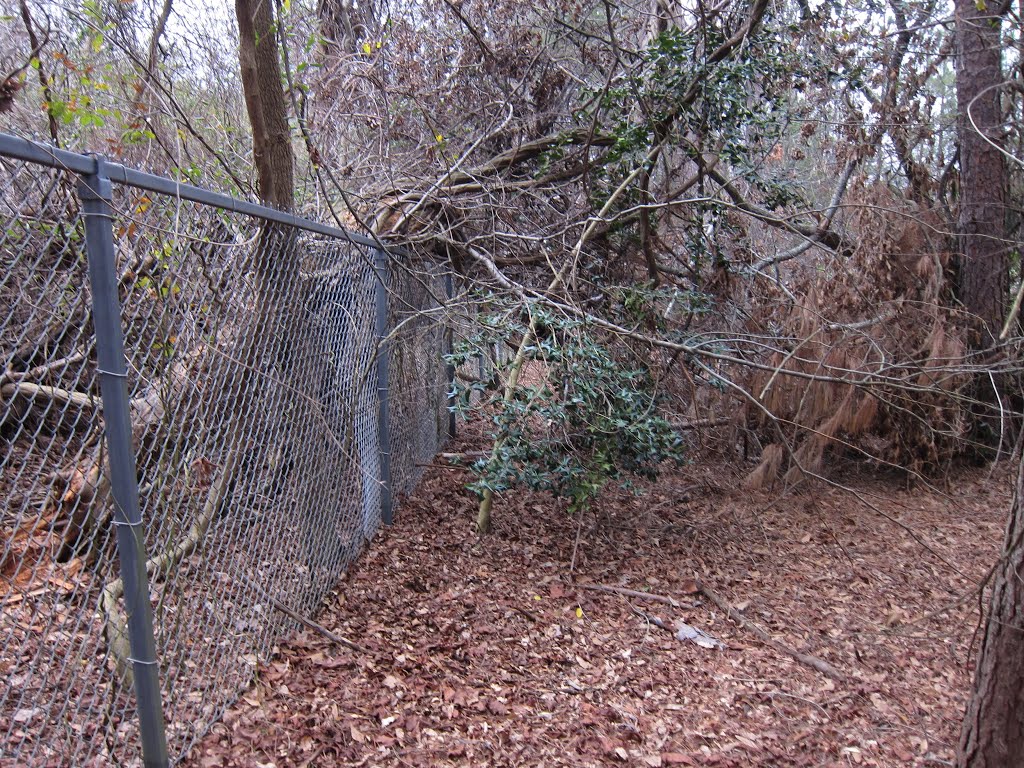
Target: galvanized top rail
column 89, row 165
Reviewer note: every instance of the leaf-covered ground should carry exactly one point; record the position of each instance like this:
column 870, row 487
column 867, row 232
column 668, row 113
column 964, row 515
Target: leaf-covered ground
column 496, row 652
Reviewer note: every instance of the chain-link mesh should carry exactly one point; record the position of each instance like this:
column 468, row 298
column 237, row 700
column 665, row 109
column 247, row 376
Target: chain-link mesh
column 59, row 704
column 253, row 381
column 418, row 392
column 479, row 339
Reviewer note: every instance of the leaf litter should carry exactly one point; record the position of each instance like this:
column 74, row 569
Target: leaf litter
column 489, row 651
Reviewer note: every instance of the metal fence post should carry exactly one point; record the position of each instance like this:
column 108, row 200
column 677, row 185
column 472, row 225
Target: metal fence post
column 449, row 344
column 95, row 193
column 380, row 262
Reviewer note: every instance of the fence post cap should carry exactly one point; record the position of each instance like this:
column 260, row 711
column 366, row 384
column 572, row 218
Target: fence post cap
column 97, row 185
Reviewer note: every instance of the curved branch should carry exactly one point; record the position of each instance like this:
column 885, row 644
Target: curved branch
column 824, row 227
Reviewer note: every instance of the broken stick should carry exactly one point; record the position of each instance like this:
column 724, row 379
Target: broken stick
column 310, row 624
column 631, row 593
column 811, row 661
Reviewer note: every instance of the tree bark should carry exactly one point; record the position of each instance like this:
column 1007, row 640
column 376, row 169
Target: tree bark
column 272, row 149
column 265, row 102
column 984, row 272
column 993, row 730
column 269, row 340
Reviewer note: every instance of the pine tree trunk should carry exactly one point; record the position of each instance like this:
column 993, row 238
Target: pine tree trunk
column 984, row 265
column 993, row 731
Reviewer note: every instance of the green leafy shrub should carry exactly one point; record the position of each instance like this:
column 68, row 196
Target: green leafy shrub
column 582, row 415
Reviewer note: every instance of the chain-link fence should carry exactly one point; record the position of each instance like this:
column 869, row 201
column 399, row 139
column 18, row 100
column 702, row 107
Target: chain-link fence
column 173, row 503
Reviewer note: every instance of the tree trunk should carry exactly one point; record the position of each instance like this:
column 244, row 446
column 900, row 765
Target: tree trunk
column 272, row 149
column 265, row 102
column 993, row 731
column 275, row 329
column 984, row 273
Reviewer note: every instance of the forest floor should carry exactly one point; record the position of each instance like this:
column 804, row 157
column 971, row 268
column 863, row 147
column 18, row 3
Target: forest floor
column 502, row 651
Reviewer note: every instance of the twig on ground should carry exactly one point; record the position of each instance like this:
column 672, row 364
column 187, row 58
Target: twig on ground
column 652, row 619
column 576, row 545
column 978, row 589
column 312, row 758
column 806, row 659
column 631, row 593
column 455, row 460
column 319, row 628
column 816, row 705
column 525, row 613
column 462, row 456
column 850, row 560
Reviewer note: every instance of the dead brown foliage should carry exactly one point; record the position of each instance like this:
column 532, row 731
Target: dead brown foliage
column 493, row 652
column 873, row 356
